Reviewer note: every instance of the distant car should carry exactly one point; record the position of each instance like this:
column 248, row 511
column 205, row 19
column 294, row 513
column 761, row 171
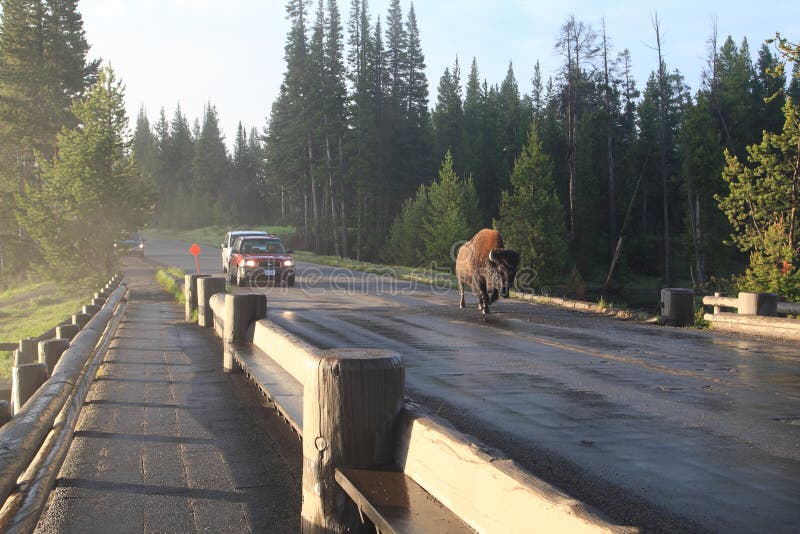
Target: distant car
column 260, row 259
column 130, row 243
column 230, row 237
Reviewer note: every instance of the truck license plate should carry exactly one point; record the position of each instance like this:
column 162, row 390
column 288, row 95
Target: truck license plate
column 269, row 272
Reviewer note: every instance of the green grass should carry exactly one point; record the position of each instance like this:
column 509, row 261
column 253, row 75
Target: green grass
column 169, row 280
column 30, row 310
column 402, row 272
column 213, row 235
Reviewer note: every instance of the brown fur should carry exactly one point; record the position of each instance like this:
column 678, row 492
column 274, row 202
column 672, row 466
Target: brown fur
column 487, row 278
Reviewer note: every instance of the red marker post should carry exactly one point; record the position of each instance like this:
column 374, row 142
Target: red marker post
column 194, row 250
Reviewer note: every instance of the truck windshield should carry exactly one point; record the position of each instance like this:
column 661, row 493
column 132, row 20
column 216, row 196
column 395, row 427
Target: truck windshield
column 270, row 246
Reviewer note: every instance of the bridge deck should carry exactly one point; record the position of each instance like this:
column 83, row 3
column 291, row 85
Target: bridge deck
column 168, row 443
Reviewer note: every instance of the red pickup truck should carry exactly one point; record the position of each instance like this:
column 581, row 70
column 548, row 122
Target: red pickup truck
column 259, row 260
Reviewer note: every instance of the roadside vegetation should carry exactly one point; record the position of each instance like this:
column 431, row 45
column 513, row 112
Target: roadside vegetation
column 170, row 279
column 29, row 310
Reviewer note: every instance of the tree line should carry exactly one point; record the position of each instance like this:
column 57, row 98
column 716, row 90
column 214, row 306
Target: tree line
column 584, row 171
column 69, row 183
column 354, row 151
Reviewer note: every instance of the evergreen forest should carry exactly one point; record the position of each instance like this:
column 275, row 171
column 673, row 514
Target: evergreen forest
column 595, row 177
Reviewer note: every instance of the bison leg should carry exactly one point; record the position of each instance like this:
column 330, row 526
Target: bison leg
column 460, row 293
column 483, row 296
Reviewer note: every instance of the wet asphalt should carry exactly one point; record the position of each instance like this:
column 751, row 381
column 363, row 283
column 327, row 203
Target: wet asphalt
column 661, row 428
column 167, row 442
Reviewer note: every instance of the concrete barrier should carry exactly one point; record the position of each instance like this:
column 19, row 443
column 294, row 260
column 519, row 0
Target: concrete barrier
column 677, row 305
column 206, row 287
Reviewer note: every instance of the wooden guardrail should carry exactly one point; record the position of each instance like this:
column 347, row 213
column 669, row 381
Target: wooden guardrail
column 34, row 443
column 402, row 468
column 756, row 313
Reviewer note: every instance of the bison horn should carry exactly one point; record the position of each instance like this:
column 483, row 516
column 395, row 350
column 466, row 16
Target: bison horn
column 491, row 255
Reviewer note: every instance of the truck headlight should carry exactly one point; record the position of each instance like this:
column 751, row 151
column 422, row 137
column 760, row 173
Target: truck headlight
column 288, row 263
column 250, row 263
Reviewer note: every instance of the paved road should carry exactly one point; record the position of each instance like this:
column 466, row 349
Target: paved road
column 168, row 443
column 667, row 429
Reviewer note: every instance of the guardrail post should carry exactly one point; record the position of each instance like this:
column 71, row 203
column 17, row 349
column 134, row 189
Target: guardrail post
column 677, row 305
column 25, row 380
column 351, row 401
column 190, row 294
column 81, row 319
column 90, row 309
column 67, row 331
column 717, row 309
column 27, row 350
column 206, row 287
column 50, row 352
column 5, row 412
column 240, row 313
column 758, row 303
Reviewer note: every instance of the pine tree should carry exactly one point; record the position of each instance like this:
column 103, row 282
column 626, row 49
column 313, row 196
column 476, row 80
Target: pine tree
column 210, row 167
column 43, row 68
column 448, row 115
column 452, row 214
column 576, row 43
column 403, row 245
column 531, row 216
column 472, row 140
column 416, row 80
column 768, row 91
column 144, row 146
column 762, row 206
column 336, row 123
column 513, row 125
column 537, row 93
column 419, row 134
column 90, row 192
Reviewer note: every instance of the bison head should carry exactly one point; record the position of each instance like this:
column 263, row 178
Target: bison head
column 502, row 268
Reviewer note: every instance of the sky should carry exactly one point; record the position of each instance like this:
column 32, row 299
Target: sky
column 230, row 52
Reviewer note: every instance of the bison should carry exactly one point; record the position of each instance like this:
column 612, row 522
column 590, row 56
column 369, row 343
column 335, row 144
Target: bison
column 487, row 267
